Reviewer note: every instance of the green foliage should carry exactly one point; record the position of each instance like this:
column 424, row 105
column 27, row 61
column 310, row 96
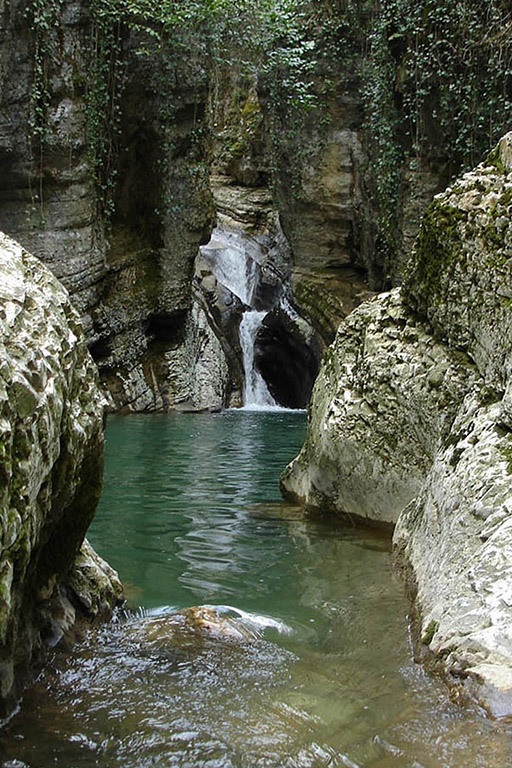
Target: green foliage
column 435, row 78
column 103, row 92
column 382, row 121
column 43, row 17
column 438, row 85
column 44, row 20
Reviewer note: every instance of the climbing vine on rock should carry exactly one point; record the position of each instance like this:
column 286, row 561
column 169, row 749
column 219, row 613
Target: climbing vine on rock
column 435, row 78
column 103, row 91
column 43, row 17
column 437, row 86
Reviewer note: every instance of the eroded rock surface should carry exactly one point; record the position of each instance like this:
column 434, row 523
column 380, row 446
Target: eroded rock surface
column 384, row 400
column 51, row 465
column 129, row 274
column 454, row 546
column 411, row 423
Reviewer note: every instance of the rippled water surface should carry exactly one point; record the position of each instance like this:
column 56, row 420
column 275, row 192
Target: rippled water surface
column 311, row 664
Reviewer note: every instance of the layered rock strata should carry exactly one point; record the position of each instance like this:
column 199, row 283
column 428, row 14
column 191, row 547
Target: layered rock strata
column 51, row 465
column 410, row 423
column 129, row 274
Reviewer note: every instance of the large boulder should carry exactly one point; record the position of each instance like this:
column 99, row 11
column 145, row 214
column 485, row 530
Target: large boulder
column 453, row 544
column 51, row 468
column 460, row 274
column 382, row 405
column 411, row 423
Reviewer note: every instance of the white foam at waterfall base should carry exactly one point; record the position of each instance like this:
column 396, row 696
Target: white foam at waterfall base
column 234, row 259
column 255, row 390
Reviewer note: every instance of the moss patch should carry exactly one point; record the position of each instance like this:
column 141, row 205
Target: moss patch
column 437, row 248
column 428, row 634
column 506, row 452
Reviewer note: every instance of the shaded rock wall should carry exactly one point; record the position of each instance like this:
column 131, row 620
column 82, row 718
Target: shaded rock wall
column 410, row 423
column 322, row 171
column 129, row 276
column 51, row 465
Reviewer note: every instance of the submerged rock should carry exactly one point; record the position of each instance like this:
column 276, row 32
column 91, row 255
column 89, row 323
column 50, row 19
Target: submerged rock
column 191, row 627
column 51, row 467
column 411, row 422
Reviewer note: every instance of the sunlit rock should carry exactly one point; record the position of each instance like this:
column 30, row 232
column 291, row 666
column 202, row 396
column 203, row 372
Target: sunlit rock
column 411, row 421
column 382, row 405
column 51, row 467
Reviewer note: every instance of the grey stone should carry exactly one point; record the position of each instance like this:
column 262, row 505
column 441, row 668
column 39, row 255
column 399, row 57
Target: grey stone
column 411, row 422
column 51, row 468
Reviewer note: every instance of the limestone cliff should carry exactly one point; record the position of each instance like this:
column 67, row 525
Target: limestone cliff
column 68, row 157
column 385, row 399
column 51, row 466
column 108, row 132
column 410, row 424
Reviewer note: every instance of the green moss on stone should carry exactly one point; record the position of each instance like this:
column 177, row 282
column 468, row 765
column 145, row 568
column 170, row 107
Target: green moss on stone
column 494, row 159
column 429, row 632
column 506, row 452
column 437, row 247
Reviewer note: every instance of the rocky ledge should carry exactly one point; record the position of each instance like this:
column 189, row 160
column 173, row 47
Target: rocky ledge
column 411, row 424
column 51, row 467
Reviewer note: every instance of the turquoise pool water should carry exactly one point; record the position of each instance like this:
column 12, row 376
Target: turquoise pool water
column 191, row 515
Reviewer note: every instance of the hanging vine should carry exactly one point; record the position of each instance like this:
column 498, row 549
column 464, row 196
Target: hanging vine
column 435, row 76
column 43, row 18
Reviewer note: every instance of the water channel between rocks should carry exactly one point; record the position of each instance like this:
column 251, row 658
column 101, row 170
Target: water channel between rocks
column 191, row 516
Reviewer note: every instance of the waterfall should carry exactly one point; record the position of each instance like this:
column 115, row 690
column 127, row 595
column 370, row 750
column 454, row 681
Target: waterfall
column 256, row 392
column 235, row 261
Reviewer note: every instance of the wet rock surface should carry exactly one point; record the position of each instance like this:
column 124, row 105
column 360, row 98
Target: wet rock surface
column 51, row 443
column 191, row 627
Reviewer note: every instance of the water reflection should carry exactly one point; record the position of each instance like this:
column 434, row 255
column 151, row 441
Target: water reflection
column 191, row 515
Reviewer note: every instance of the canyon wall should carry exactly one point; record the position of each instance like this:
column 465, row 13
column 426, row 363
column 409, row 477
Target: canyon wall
column 122, row 237
column 410, row 424
column 315, row 131
column 108, row 134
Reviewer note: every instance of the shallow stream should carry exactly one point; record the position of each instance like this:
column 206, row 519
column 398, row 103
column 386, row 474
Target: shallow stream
column 191, row 516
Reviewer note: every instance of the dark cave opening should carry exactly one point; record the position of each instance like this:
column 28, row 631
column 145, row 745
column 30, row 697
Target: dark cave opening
column 287, row 360
column 165, row 330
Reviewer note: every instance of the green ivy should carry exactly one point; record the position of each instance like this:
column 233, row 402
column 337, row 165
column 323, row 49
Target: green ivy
column 43, row 17
column 435, row 78
column 438, row 87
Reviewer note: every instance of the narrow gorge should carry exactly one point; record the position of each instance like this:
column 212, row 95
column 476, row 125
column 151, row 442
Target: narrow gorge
column 219, row 217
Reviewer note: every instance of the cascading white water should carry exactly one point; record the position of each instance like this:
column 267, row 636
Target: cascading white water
column 256, row 392
column 235, row 259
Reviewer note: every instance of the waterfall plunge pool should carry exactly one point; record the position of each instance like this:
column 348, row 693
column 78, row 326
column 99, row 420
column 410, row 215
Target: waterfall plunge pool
column 191, row 515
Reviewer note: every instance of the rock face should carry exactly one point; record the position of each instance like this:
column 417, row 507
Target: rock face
column 410, row 424
column 116, row 199
column 129, row 275
column 453, row 544
column 385, row 399
column 51, row 464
